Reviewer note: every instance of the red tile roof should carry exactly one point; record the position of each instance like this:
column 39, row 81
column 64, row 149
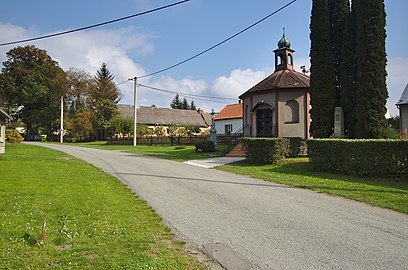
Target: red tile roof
column 281, row 79
column 230, row 112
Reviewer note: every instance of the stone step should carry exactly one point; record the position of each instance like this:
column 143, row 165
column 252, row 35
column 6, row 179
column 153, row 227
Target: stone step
column 237, row 151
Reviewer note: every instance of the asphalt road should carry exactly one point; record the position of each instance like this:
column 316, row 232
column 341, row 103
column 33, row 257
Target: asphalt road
column 247, row 223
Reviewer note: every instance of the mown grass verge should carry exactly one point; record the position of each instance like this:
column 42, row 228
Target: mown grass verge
column 297, row 172
column 175, row 152
column 92, row 220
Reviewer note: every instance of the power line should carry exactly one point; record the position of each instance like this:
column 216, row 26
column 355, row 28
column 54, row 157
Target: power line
column 198, row 97
column 185, row 94
column 94, row 25
column 219, row 43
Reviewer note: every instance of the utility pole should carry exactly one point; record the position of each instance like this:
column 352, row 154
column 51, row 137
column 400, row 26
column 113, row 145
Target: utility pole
column 62, row 121
column 134, row 110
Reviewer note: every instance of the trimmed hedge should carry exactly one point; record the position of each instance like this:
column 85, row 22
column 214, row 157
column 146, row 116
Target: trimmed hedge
column 295, row 144
column 205, row 146
column 383, row 158
column 265, row 150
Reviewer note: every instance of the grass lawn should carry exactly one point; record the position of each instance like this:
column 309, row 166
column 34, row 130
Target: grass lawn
column 297, row 172
column 92, row 220
column 176, row 152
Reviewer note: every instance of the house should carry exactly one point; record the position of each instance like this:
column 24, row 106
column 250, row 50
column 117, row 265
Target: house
column 229, row 120
column 164, row 117
column 3, row 118
column 402, row 105
column 278, row 106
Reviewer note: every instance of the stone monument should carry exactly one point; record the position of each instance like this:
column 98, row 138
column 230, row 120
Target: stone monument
column 338, row 122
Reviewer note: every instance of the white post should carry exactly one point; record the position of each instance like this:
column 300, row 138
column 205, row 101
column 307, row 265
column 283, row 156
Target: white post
column 62, row 121
column 134, row 111
column 2, row 139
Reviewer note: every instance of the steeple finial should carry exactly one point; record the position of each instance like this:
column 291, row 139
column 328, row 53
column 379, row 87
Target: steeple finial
column 284, row 42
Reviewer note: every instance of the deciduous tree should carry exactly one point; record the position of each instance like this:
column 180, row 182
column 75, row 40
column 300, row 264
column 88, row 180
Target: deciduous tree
column 33, row 83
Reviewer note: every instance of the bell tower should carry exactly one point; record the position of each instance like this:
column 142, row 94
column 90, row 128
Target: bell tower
column 284, row 54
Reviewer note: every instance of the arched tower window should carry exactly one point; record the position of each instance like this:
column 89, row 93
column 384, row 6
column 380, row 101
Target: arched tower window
column 281, row 59
column 292, row 111
column 290, row 59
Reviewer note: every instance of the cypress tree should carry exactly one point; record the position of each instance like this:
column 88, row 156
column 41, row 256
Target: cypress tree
column 371, row 89
column 322, row 87
column 338, row 11
column 348, row 72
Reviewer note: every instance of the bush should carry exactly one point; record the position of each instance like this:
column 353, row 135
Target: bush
column 295, row 144
column 383, row 158
column 12, row 136
column 205, row 146
column 265, row 150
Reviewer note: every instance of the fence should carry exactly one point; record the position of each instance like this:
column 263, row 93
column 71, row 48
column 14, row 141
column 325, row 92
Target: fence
column 171, row 140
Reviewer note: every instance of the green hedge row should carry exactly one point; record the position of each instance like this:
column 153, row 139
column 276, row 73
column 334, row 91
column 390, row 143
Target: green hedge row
column 265, row 150
column 205, row 146
column 383, row 158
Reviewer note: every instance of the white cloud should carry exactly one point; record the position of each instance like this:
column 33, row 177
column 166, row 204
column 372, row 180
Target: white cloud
column 237, row 82
column 88, row 50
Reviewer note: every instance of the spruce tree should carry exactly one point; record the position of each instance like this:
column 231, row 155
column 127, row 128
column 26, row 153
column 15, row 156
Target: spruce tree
column 193, row 107
column 322, row 87
column 176, row 103
column 185, row 105
column 371, row 89
column 338, row 11
column 348, row 71
column 104, row 98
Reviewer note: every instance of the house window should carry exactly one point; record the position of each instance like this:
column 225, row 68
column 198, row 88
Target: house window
column 228, row 129
column 292, row 112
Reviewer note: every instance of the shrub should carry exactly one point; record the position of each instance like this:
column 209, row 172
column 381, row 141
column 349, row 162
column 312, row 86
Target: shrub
column 12, row 136
column 295, row 144
column 205, row 146
column 383, row 158
column 265, row 150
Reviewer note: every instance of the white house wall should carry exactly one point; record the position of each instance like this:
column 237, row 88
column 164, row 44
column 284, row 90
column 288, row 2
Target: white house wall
column 220, row 125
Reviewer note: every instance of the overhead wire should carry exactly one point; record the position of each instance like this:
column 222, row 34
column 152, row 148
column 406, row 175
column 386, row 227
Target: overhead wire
column 219, row 43
column 184, row 94
column 94, row 25
column 193, row 96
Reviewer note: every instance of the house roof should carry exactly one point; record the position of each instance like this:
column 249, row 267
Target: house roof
column 404, row 97
column 281, row 79
column 166, row 116
column 230, row 111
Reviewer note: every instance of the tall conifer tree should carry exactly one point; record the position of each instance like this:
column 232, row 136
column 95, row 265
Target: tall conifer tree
column 322, row 87
column 338, row 11
column 371, row 89
column 104, row 99
column 348, row 71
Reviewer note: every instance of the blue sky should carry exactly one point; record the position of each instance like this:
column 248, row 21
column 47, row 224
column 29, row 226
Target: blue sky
column 151, row 42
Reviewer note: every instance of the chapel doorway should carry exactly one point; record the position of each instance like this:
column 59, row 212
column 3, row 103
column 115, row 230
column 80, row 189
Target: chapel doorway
column 264, row 127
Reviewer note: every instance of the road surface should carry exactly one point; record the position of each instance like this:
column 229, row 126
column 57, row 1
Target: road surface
column 247, row 223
